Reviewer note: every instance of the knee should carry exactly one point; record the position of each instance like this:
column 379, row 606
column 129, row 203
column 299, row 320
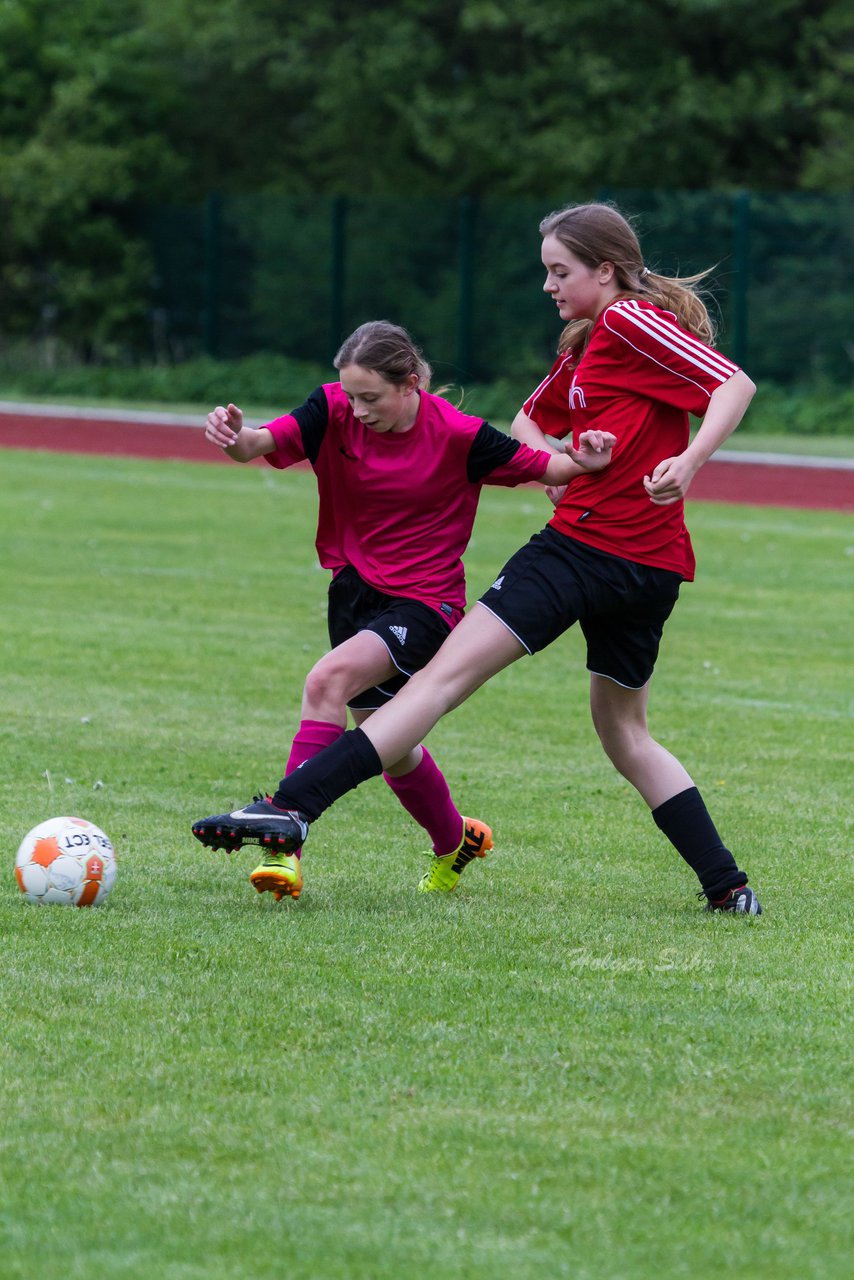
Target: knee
column 326, row 682
column 622, row 741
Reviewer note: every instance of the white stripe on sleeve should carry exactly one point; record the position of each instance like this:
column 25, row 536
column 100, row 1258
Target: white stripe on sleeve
column 668, row 334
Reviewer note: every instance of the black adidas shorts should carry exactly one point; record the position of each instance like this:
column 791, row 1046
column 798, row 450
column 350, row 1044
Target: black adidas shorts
column 412, row 632
column 621, row 607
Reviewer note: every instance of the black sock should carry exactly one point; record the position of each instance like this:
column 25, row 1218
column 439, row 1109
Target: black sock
column 685, row 821
column 323, row 779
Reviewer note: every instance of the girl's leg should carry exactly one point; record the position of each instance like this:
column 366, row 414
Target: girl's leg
column 420, row 787
column 475, row 650
column 339, row 675
column 354, row 665
column 357, row 664
column 478, row 648
column 678, row 810
column 311, row 737
column 619, row 716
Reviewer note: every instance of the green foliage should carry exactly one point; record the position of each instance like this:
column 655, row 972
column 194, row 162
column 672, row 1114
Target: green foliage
column 497, row 96
column 85, row 114
column 262, row 379
column 565, row 1069
column 107, row 110
column 813, row 410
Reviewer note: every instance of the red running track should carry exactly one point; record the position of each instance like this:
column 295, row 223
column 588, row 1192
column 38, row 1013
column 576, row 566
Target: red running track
column 759, row 483
column 59, row 434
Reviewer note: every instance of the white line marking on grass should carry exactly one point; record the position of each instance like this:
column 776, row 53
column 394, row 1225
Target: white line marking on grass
column 809, row 711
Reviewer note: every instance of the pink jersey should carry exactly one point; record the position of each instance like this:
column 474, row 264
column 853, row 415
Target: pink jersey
column 640, row 377
column 399, row 507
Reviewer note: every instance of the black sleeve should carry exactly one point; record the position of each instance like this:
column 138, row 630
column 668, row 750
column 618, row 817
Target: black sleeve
column 490, row 449
column 312, row 419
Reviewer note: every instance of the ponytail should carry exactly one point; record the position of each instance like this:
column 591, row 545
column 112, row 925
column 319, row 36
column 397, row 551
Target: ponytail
column 598, row 233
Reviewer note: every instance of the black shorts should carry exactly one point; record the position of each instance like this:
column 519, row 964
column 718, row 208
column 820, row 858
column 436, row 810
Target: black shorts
column 621, row 606
column 412, row 632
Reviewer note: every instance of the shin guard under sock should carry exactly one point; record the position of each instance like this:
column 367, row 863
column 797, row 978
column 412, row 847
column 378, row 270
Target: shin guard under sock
column 330, row 774
column 424, row 794
column 685, row 821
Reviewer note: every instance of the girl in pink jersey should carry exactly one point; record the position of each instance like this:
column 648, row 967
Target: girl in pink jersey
column 399, row 473
column 635, row 358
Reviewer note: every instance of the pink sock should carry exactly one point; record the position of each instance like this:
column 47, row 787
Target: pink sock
column 311, row 737
column 424, row 794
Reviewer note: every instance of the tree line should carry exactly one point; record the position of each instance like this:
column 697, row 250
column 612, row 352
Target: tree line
column 107, row 109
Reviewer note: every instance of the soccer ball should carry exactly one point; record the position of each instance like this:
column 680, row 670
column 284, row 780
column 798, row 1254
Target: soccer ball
column 66, row 860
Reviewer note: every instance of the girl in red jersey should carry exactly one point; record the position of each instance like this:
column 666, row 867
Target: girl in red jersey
column 399, row 474
column 635, row 358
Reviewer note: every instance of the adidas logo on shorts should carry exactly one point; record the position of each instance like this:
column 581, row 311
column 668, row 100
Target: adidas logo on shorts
column 400, row 632
column 497, row 584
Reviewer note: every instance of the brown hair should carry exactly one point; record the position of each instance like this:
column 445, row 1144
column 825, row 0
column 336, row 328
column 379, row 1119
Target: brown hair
column 598, row 233
column 386, row 348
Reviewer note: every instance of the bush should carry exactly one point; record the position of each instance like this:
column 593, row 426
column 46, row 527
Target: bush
column 820, row 410
column 260, row 379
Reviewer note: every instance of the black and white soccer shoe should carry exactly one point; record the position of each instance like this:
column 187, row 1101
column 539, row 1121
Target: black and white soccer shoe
column 261, row 822
column 743, row 901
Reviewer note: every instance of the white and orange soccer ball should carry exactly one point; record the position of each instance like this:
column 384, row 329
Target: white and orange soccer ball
column 67, row 861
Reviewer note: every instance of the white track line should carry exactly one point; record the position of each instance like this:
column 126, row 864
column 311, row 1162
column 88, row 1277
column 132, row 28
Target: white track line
column 144, row 416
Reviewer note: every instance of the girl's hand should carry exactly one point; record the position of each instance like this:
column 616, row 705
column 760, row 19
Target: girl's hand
column 669, row 481
column 594, row 450
column 593, row 454
column 554, row 493
column 223, row 426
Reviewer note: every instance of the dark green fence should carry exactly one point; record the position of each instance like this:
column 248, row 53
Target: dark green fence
column 295, row 275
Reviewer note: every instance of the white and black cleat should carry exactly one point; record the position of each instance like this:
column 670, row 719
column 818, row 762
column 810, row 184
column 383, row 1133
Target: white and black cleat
column 743, row 901
column 261, row 822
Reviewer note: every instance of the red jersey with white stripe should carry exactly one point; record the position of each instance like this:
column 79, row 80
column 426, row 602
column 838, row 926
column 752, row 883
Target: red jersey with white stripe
column 640, row 377
column 399, row 506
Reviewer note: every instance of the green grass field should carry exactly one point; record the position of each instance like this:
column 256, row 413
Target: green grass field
column 566, row 1069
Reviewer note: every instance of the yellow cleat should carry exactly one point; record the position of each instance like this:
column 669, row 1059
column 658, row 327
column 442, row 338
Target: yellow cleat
column 279, row 874
column 445, row 872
